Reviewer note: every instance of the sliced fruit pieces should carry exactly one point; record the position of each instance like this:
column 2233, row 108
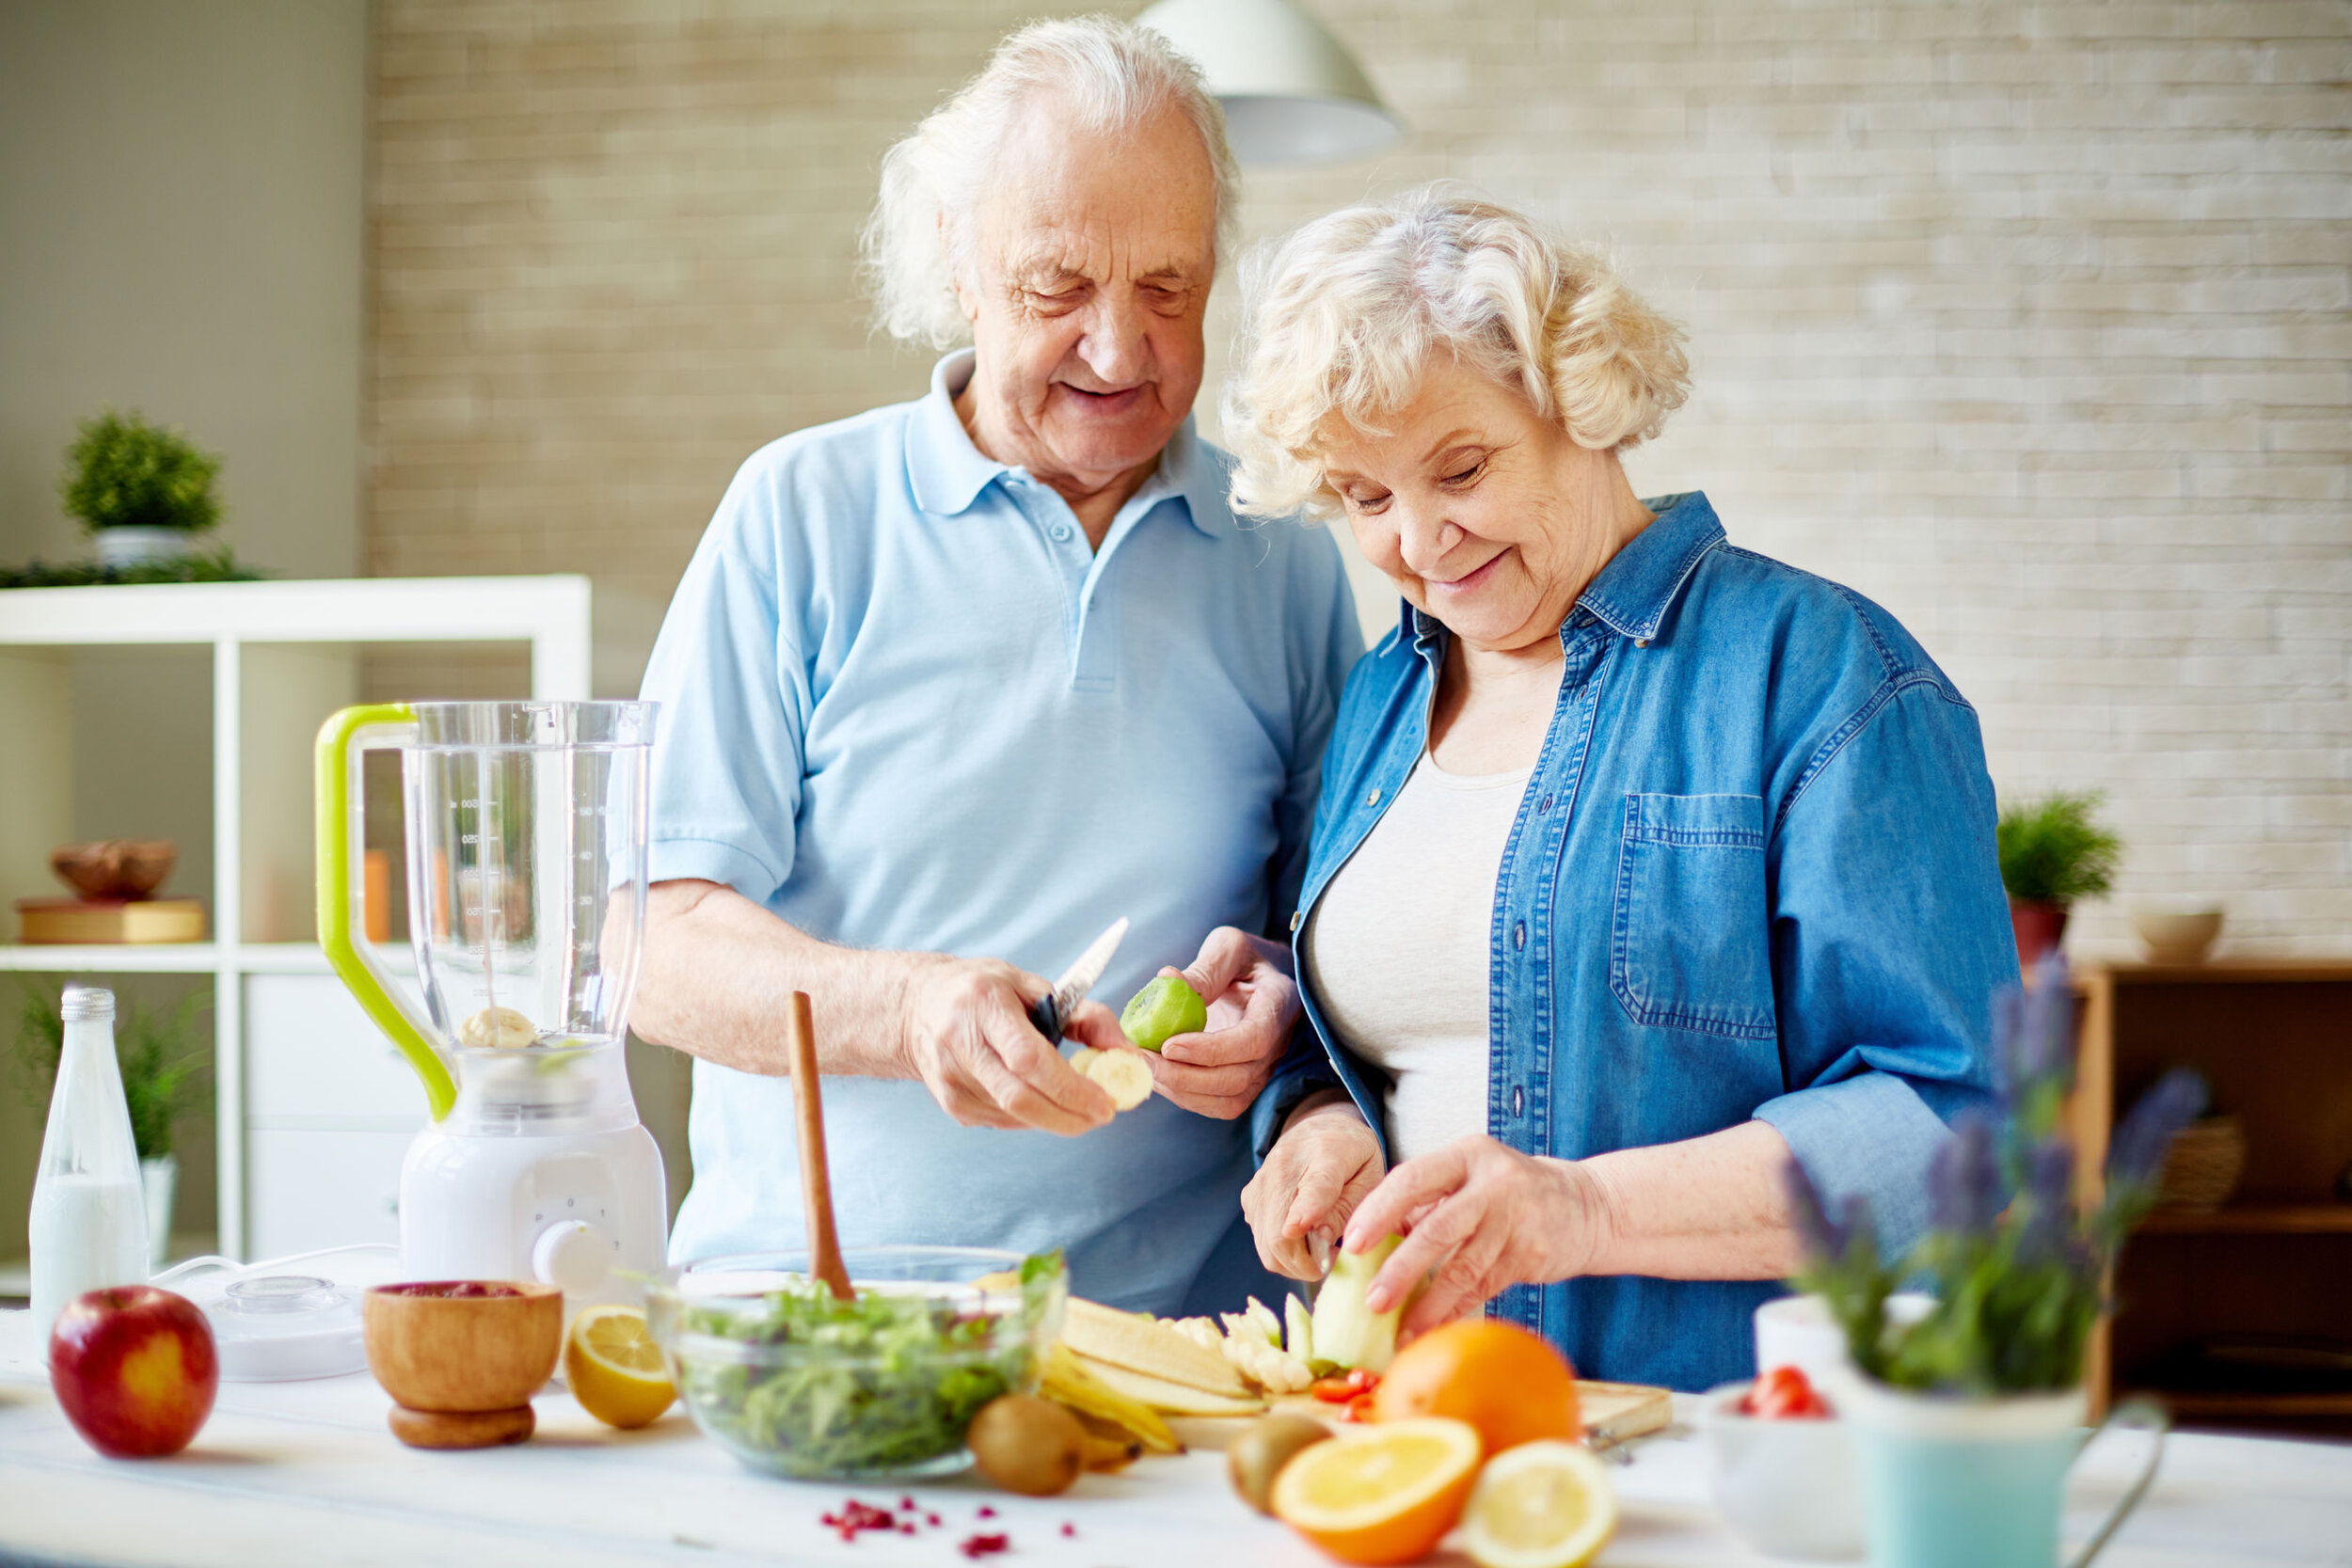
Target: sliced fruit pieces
column 1165, row 1008
column 1346, row 1333
column 1380, row 1494
column 1067, row 1382
column 1298, row 1325
column 1171, row 1399
column 1146, row 1345
column 1545, row 1504
column 614, row 1369
column 1123, row 1075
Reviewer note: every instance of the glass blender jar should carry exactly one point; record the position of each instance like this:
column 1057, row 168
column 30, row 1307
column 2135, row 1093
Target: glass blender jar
column 526, row 860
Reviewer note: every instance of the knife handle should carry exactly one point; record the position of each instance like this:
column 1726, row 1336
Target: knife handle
column 1046, row 1018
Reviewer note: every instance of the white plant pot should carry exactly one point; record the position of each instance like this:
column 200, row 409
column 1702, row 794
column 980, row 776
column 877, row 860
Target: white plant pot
column 142, row 547
column 158, row 1180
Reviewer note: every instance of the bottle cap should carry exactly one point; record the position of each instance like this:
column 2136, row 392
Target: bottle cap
column 86, row 1004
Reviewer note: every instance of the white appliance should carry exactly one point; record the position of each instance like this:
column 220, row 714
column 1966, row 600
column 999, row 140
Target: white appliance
column 526, row 882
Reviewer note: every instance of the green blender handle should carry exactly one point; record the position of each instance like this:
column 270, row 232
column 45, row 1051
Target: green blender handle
column 342, row 738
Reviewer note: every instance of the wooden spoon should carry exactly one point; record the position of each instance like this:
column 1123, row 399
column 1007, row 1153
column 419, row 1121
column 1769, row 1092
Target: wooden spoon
column 824, row 1246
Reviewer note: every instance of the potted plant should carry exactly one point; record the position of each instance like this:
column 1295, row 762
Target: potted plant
column 162, row 1065
column 142, row 491
column 1966, row 1419
column 2052, row 853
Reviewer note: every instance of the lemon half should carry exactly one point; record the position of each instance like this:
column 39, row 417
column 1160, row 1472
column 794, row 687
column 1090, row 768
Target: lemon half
column 615, row 1368
column 1545, row 1504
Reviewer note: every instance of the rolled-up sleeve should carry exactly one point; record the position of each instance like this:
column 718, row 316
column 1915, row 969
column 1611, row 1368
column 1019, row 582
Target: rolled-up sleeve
column 727, row 672
column 1889, row 937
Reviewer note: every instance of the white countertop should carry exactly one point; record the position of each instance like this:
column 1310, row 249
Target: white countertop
column 305, row 1472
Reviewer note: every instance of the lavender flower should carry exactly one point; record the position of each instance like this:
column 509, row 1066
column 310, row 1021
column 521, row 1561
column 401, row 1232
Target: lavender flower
column 2008, row 1026
column 2048, row 1200
column 2137, row 1150
column 1964, row 1179
column 1824, row 1238
column 2046, row 1028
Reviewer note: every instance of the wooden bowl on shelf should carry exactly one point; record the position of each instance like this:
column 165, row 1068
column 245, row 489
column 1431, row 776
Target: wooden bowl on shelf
column 461, row 1358
column 116, row 868
column 2203, row 1165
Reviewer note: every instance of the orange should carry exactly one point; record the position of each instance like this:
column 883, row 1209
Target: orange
column 1380, row 1494
column 1509, row 1384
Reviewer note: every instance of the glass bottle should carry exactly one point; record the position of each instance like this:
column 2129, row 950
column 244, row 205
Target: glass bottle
column 89, row 1228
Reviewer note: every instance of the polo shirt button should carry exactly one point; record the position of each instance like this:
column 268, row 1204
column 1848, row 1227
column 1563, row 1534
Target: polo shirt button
column 1518, row 934
column 1060, row 532
column 1372, row 799
column 1518, row 1100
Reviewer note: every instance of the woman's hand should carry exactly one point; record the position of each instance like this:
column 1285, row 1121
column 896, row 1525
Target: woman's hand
column 964, row 1031
column 1253, row 1006
column 1325, row 1163
column 1477, row 1217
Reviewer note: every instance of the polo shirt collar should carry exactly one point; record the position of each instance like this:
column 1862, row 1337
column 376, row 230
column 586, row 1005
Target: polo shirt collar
column 1630, row 595
column 948, row 472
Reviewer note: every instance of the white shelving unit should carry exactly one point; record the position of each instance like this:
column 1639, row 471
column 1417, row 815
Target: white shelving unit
column 284, row 655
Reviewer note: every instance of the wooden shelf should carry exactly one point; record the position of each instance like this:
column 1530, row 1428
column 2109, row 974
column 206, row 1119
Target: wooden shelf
column 2280, row 1219
column 164, row 957
column 2231, row 972
column 2223, row 1406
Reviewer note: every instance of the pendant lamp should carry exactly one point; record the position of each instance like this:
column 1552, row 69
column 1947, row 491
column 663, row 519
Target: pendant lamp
column 1292, row 92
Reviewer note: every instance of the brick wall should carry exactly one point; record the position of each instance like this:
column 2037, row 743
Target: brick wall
column 2027, row 320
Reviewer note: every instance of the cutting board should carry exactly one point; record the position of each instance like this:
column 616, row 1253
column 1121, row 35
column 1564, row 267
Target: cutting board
column 1613, row 1413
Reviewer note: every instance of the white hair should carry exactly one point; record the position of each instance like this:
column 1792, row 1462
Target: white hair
column 1341, row 316
column 1109, row 76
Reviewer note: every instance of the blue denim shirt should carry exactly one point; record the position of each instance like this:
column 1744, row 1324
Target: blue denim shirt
column 1752, row 875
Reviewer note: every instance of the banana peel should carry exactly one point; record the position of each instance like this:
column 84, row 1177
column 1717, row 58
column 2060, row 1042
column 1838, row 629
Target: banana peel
column 1147, row 1346
column 1167, row 1397
column 1067, row 1382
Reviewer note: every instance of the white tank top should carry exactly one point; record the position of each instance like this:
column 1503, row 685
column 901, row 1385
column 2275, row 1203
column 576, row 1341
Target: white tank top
column 1400, row 947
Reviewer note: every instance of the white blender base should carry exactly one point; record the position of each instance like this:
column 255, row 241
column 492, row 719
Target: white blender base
column 587, row 1212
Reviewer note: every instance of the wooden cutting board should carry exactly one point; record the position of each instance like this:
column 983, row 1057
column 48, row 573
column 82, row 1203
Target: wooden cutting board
column 1613, row 1413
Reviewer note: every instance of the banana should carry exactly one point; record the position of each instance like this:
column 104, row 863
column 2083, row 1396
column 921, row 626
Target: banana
column 1068, row 1382
column 1148, row 1346
column 1172, row 1399
column 1124, row 1075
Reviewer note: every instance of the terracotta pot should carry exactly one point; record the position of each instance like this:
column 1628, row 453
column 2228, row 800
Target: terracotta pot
column 463, row 1354
column 2038, row 929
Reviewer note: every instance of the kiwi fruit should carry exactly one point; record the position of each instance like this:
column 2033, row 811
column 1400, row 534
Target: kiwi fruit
column 1027, row 1445
column 1257, row 1455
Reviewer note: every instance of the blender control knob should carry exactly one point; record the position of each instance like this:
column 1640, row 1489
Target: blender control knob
column 573, row 1256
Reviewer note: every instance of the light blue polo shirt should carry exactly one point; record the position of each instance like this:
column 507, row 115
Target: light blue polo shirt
column 904, row 705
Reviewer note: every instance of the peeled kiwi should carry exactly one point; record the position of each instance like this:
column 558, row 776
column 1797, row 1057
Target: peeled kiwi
column 1030, row 1446
column 1257, row 1455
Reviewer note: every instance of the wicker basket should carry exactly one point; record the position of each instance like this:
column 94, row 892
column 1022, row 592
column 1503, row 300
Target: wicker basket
column 2203, row 1165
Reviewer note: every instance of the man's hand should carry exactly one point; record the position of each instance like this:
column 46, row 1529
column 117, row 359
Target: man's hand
column 1477, row 1217
column 1323, row 1166
column 1253, row 1006
column 964, row 1031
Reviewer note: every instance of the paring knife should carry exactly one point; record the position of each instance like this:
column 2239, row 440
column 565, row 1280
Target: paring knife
column 1050, row 1014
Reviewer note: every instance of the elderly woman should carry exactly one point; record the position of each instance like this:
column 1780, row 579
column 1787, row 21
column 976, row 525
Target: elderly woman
column 1642, row 862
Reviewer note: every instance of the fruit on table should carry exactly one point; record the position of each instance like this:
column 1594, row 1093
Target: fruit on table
column 1345, row 1332
column 614, row 1369
column 1134, row 1342
column 1255, row 1458
column 1166, row 1008
column 1545, row 1504
column 497, row 1028
column 1124, row 1075
column 1784, row 1394
column 1349, row 1391
column 1509, row 1384
column 1380, row 1494
column 1027, row 1445
column 135, row 1369
column 1067, row 1382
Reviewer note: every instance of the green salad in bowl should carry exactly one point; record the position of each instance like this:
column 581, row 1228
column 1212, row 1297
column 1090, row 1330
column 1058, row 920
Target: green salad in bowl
column 793, row 1382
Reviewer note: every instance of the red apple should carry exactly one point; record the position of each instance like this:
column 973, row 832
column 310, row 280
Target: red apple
column 134, row 1368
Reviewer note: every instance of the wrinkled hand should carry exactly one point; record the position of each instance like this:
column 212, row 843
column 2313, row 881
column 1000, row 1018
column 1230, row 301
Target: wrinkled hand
column 1323, row 1166
column 964, row 1030
column 1253, row 1006
column 1477, row 1217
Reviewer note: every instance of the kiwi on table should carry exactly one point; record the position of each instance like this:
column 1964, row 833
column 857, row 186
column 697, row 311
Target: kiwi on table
column 1027, row 1445
column 1257, row 1455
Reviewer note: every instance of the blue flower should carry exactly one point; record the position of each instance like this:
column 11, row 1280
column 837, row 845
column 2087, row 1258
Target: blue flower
column 2048, row 1200
column 2137, row 1150
column 1965, row 1177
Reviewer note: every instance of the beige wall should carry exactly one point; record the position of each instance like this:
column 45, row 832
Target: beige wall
column 2029, row 320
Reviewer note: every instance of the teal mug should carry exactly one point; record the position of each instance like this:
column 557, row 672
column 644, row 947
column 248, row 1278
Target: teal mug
column 1950, row 1482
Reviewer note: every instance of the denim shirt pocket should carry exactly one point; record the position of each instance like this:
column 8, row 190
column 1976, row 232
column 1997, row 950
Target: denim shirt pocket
column 1689, row 945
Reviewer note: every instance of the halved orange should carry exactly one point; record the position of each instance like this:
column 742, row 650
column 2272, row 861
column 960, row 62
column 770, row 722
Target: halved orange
column 1380, row 1494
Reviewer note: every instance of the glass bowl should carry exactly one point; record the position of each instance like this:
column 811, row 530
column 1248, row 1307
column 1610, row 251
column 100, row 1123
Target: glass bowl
column 795, row 1383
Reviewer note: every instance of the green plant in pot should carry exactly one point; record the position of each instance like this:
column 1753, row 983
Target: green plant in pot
column 163, row 1060
column 143, row 491
column 1967, row 1420
column 2053, row 852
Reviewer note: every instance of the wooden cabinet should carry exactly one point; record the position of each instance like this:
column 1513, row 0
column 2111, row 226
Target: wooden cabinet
column 2216, row 1307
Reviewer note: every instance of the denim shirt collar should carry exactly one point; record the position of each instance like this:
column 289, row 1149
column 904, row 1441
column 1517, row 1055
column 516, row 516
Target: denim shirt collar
column 1630, row 595
column 948, row 473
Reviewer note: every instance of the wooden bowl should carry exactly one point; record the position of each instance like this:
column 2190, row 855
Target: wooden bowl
column 130, row 868
column 463, row 1354
column 2177, row 935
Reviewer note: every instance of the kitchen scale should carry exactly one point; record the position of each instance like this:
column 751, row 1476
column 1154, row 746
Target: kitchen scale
column 526, row 877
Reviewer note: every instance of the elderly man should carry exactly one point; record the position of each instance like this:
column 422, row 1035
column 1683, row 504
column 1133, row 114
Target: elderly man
column 951, row 685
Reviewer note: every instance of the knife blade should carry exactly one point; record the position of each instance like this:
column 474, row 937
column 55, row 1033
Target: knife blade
column 1051, row 1012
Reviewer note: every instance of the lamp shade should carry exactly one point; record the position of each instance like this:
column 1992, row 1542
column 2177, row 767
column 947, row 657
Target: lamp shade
column 1292, row 92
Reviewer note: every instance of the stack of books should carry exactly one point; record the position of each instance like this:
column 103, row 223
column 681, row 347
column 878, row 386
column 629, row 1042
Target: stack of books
column 55, row 921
